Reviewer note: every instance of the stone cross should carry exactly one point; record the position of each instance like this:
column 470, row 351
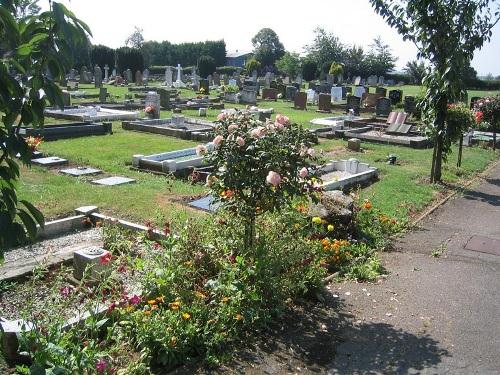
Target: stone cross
column 106, row 73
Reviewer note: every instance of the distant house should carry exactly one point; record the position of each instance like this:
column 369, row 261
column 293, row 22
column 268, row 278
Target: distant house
column 237, row 58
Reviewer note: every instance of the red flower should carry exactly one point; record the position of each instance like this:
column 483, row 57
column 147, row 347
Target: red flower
column 156, row 246
column 105, row 258
column 479, row 116
column 101, row 365
column 166, row 229
column 134, row 300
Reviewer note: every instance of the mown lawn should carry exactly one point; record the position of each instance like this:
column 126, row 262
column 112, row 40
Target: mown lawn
column 402, row 189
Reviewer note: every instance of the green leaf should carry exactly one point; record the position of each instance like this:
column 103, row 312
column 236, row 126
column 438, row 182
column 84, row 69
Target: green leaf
column 34, row 212
column 28, row 222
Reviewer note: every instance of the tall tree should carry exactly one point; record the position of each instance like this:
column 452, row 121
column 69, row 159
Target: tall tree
column 446, row 33
column 289, row 64
column 267, row 47
column 416, row 71
column 33, row 46
column 326, row 48
column 355, row 61
column 136, row 39
column 380, row 59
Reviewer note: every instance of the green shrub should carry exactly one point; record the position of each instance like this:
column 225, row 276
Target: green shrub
column 252, row 65
column 227, row 70
column 129, row 58
column 309, row 70
column 102, row 55
column 206, row 66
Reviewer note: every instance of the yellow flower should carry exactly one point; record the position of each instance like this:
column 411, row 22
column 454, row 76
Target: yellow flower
column 297, row 226
column 186, row 316
column 175, row 305
column 239, row 317
column 152, row 302
column 147, row 312
column 225, row 299
column 330, row 228
column 173, row 341
column 200, row 295
column 189, row 263
column 160, row 299
column 316, row 220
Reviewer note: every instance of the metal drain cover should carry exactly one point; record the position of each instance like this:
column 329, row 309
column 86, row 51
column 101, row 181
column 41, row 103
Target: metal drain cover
column 483, row 244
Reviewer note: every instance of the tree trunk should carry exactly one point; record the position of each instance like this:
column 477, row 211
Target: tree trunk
column 460, row 148
column 439, row 124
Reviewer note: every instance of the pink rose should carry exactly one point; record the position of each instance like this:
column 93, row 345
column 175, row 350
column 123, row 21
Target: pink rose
column 279, row 125
column 303, row 172
column 101, row 365
column 201, row 150
column 231, row 128
column 218, row 140
column 257, row 132
column 283, row 120
column 311, row 152
column 273, row 178
column 134, row 300
column 221, row 116
column 240, row 141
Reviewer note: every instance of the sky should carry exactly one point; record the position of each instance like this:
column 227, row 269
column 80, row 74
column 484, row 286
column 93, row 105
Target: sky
column 353, row 21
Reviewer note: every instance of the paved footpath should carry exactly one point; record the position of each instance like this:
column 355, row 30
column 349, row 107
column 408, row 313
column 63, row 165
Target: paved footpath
column 433, row 315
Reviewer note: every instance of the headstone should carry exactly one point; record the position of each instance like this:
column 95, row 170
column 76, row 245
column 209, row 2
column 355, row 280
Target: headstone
column 354, row 103
column 396, row 96
column 383, row 107
column 168, row 76
column 410, row 104
column 290, row 93
column 381, row 90
column 286, row 80
column 268, row 80
column 128, row 76
column 336, row 93
column 268, row 93
column 299, row 79
column 113, row 181
column 83, row 75
column 372, row 80
column 98, row 76
column 202, row 112
column 354, row 144
column 103, row 93
column 300, row 101
column 344, row 92
column 145, row 76
column 330, row 79
column 359, row 91
column 72, row 74
column 312, row 96
column 52, row 161
column 248, row 96
column 210, row 80
column 113, row 74
column 325, row 103
column 205, row 86
column 216, row 79
column 80, row 171
column 106, row 73
column 357, row 81
column 88, row 262
column 164, row 98
column 340, row 79
column 153, row 100
column 138, row 78
column 381, row 80
column 66, row 98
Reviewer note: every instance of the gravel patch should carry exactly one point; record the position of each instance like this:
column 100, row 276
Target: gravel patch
column 52, row 244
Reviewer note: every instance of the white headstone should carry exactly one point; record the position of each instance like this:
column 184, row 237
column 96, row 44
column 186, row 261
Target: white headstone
column 106, row 73
column 336, row 93
column 358, row 91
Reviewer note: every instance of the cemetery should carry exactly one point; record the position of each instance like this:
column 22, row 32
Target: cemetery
column 224, row 198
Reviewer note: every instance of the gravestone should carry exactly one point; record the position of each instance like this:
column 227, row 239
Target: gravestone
column 83, row 75
column 330, row 79
column 286, row 80
column 210, row 80
column 254, row 76
column 248, row 96
column 281, row 89
column 410, row 104
column 268, row 80
column 269, row 93
column 88, row 262
column 290, row 93
column 300, row 101
column 128, row 76
column 145, row 76
column 381, row 80
column 299, row 79
column 106, row 73
column 164, row 98
column 113, row 181
column 168, row 76
column 336, row 94
column 216, row 79
column 381, row 90
column 359, row 91
column 113, row 74
column 372, row 80
column 52, row 161
column 138, row 78
column 344, row 92
column 202, row 112
column 103, row 93
column 98, row 77
column 312, row 97
column 72, row 74
column 383, row 107
column 66, row 98
column 354, row 103
column 204, row 84
column 153, row 100
column 354, row 144
column 357, row 81
column 80, row 171
column 396, row 96
column 325, row 103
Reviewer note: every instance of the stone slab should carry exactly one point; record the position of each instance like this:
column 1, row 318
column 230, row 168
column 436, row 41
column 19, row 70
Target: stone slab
column 483, row 244
column 80, row 171
column 205, row 204
column 52, row 161
column 113, row 181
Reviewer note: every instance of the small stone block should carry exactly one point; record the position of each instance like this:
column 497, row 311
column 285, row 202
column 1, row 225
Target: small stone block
column 202, row 112
column 354, row 144
column 112, row 181
column 51, row 161
column 89, row 257
column 80, row 171
column 86, row 210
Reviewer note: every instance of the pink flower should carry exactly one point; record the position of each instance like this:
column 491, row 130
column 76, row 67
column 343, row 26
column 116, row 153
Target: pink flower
column 311, row 152
column 134, row 300
column 303, row 172
column 66, row 291
column 282, row 120
column 101, row 365
column 201, row 150
column 221, row 116
column 105, row 258
column 279, row 125
column 240, row 141
column 218, row 140
column 273, row 178
column 257, row 132
column 231, row 128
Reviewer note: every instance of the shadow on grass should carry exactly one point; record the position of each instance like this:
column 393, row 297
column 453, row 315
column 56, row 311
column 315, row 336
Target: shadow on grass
column 322, row 338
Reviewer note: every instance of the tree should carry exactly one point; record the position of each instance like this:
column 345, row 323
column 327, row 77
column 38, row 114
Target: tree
column 33, row 46
column 252, row 65
column 267, row 47
column 289, row 64
column 309, row 69
column 325, row 49
column 380, row 59
column 129, row 58
column 102, row 55
column 416, row 71
column 206, row 66
column 136, row 39
column 446, row 33
column 25, row 8
column 355, row 61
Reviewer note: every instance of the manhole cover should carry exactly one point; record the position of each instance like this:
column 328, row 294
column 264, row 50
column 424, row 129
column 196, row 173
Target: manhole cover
column 483, row 244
